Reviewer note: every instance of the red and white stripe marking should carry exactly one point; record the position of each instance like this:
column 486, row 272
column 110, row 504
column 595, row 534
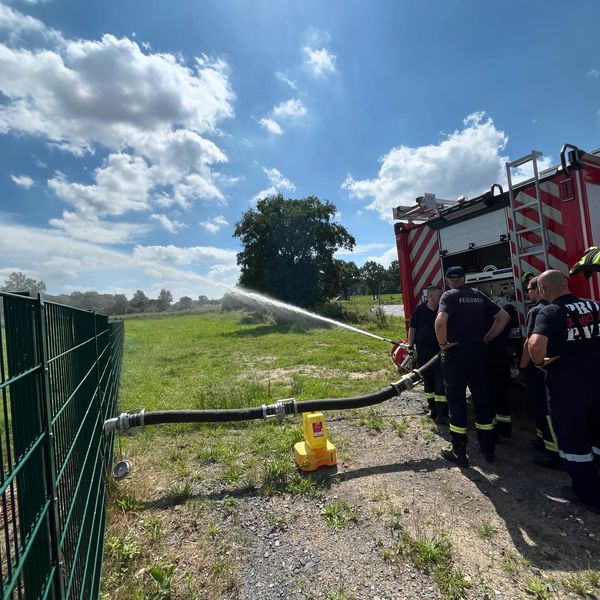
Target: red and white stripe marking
column 424, row 259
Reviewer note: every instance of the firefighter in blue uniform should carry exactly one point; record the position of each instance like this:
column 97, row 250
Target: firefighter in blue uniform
column 545, row 440
column 461, row 330
column 421, row 335
column 566, row 344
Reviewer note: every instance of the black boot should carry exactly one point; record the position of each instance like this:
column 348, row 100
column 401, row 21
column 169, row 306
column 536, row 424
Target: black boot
column 549, row 460
column 457, row 454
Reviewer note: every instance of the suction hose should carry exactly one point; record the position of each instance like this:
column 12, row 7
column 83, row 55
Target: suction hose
column 280, row 409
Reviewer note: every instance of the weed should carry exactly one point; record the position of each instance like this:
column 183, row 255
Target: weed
column 387, row 554
column 401, row 426
column 229, row 505
column 371, row 419
column 578, row 584
column 277, row 522
column 334, row 515
column 538, row 588
column 395, row 524
column 300, row 583
column 452, row 582
column 276, row 476
column 122, row 551
column 153, row 527
column 305, row 486
column 593, row 578
column 163, row 575
column 485, row 530
column 213, row 530
column 430, row 551
column 181, row 491
column 231, row 474
column 512, row 562
column 129, row 503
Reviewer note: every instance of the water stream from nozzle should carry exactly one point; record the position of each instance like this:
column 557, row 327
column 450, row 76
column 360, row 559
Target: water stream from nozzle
column 261, row 299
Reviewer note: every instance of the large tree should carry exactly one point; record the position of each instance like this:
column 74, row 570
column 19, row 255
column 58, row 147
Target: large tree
column 373, row 275
column 289, row 247
column 19, row 282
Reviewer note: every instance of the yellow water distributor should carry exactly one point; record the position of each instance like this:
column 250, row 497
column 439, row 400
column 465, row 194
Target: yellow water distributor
column 316, row 450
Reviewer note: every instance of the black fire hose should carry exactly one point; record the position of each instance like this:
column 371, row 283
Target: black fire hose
column 281, row 408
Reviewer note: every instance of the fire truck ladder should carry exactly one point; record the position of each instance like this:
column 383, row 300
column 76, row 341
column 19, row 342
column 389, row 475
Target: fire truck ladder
column 522, row 248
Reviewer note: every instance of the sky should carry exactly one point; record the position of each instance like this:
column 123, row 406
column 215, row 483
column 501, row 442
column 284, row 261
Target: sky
column 135, row 134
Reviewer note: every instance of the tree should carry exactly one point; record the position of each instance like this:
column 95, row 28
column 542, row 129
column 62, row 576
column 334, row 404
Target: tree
column 392, row 279
column 373, row 274
column 121, row 304
column 139, row 301
column 164, row 299
column 289, row 247
column 185, row 303
column 202, row 300
column 345, row 276
column 19, row 282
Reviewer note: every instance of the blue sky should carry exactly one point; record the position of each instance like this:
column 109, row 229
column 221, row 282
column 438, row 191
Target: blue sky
column 134, row 134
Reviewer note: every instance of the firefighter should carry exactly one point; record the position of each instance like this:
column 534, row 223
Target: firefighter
column 461, row 331
column 566, row 344
column 497, row 364
column 421, row 334
column 588, row 264
column 545, row 440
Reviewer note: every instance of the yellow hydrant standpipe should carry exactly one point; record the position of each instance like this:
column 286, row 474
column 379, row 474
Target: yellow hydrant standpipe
column 316, row 450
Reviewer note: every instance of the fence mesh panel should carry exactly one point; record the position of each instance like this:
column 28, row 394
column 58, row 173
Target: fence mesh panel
column 59, row 381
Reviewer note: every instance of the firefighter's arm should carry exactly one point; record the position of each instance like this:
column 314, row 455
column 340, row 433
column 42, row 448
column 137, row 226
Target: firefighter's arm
column 525, row 357
column 441, row 331
column 501, row 319
column 538, row 346
column 412, row 333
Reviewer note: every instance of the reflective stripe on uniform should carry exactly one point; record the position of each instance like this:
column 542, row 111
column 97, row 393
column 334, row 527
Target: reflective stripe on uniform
column 538, row 433
column 550, row 446
column 596, row 450
column 485, row 426
column 504, row 418
column 441, row 399
column 579, row 458
column 429, row 396
column 456, row 429
column 552, row 434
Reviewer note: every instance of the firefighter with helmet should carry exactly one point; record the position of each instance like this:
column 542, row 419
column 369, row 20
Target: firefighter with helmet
column 566, row 344
column 421, row 334
column 588, row 264
column 461, row 330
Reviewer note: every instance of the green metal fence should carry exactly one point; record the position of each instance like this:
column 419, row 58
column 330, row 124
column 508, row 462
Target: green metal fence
column 59, row 379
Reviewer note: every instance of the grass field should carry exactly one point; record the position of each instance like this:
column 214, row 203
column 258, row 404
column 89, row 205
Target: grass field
column 212, row 361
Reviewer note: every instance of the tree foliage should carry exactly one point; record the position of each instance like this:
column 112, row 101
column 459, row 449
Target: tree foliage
column 373, row 274
column 164, row 299
column 289, row 247
column 19, row 282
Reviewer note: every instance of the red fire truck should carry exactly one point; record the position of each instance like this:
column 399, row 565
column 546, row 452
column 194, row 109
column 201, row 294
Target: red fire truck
column 545, row 222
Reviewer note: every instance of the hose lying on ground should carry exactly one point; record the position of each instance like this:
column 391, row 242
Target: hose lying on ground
column 281, row 408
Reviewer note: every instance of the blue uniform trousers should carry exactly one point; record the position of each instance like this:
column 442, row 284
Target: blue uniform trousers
column 536, row 389
column 464, row 365
column 574, row 403
column 433, row 381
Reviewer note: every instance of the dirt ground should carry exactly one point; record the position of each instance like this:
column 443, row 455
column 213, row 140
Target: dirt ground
column 511, row 533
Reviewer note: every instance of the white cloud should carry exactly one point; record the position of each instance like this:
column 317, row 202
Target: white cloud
column 291, row 109
column 361, row 249
column 68, row 264
column 147, row 113
column 466, row 162
column 214, row 225
column 271, row 125
column 168, row 224
column 386, row 258
column 593, row 73
column 320, row 62
column 278, row 183
column 22, row 181
column 82, row 227
column 174, row 255
column 286, row 80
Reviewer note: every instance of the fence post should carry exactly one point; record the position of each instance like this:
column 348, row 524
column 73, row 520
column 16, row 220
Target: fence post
column 50, row 463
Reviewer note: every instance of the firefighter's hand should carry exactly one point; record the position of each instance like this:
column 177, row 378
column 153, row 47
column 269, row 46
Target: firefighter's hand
column 547, row 361
column 448, row 345
column 412, row 353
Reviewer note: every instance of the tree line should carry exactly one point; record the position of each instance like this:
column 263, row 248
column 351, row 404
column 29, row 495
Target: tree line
column 108, row 304
column 289, row 248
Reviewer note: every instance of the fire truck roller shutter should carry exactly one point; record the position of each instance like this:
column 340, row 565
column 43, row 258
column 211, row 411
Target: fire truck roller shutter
column 474, row 233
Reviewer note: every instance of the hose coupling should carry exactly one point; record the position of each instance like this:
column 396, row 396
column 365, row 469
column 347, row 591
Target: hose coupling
column 120, row 423
column 280, row 409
